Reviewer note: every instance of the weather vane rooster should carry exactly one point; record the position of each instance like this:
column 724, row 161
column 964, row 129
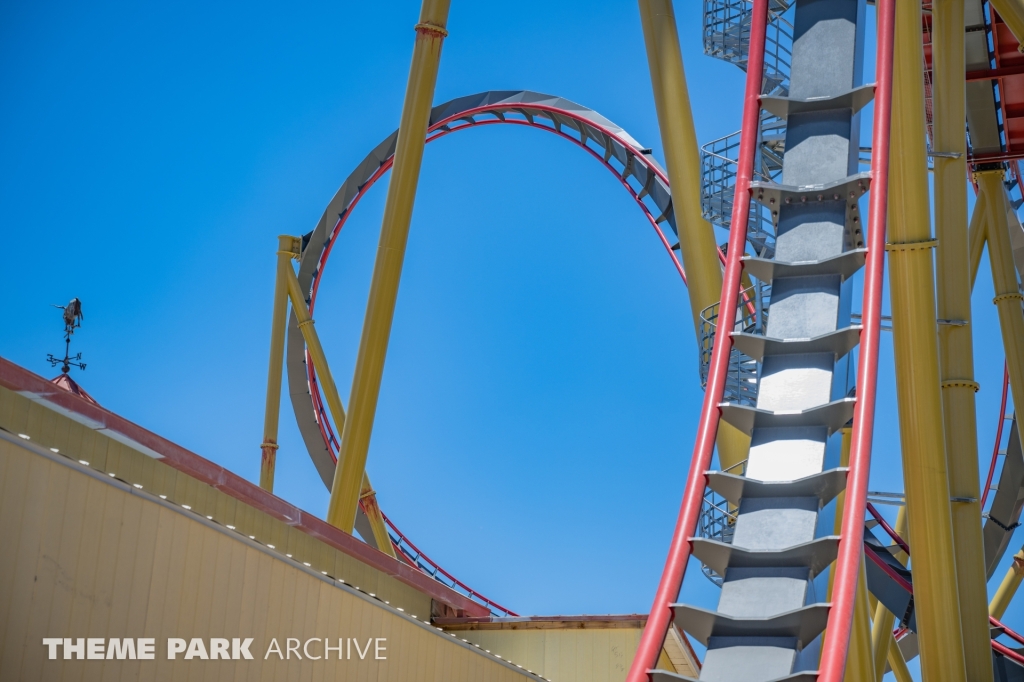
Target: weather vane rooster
column 72, row 320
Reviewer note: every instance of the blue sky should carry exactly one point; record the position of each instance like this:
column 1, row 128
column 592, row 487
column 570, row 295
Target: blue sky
column 541, row 390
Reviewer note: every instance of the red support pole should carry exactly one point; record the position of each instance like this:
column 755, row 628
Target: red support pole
column 653, row 638
column 847, row 566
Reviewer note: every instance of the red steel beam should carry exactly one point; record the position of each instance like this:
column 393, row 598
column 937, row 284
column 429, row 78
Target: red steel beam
column 992, row 74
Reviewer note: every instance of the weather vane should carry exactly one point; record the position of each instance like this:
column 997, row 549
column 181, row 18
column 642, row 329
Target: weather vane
column 72, row 320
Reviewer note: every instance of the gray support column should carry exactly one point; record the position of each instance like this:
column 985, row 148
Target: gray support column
column 770, row 614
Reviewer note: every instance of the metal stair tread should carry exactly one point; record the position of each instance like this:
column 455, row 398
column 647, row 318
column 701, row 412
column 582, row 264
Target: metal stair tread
column 816, row 555
column 855, row 99
column 803, row 624
column 825, row 486
column 833, row 415
column 756, row 346
column 844, row 265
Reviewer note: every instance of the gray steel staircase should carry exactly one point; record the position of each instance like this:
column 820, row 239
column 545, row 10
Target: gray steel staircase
column 772, row 609
column 727, row 37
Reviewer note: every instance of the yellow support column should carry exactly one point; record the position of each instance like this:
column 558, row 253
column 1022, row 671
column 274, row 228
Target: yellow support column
column 859, row 664
column 387, row 269
column 956, row 350
column 916, row 353
column 1008, row 588
column 896, row 661
column 859, row 667
column 697, row 245
column 271, row 418
column 1012, row 12
column 330, row 389
column 976, row 236
column 1004, row 277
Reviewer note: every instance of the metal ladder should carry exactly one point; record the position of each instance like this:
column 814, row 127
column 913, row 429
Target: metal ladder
column 772, row 610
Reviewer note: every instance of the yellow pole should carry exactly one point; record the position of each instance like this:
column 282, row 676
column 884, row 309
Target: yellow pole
column 1008, row 588
column 387, row 270
column 271, row 418
column 897, row 662
column 956, row 351
column 327, row 385
column 859, row 667
column 1012, row 12
column 697, row 245
column 976, row 236
column 859, row 664
column 837, row 524
column 1004, row 278
column 882, row 623
column 915, row 346
column 368, row 498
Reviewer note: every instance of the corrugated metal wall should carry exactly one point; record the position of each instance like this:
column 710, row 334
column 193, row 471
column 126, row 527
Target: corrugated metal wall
column 83, row 555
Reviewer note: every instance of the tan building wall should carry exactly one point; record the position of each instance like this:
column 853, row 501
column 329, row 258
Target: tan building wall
column 85, row 555
column 573, row 649
column 113, row 446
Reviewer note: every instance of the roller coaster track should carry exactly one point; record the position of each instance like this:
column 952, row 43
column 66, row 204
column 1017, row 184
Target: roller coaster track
column 759, row 633
column 892, row 584
column 631, row 163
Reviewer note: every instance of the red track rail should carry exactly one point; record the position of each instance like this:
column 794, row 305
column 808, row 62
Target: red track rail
column 653, row 638
column 452, row 582
column 847, row 567
column 462, row 121
column 999, row 438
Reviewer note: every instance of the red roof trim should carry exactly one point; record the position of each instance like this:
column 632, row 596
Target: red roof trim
column 22, row 381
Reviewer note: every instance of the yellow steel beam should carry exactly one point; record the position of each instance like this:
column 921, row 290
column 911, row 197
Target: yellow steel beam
column 976, row 236
column 387, row 269
column 368, row 498
column 956, row 350
column 697, row 245
column 1004, row 278
column 271, row 417
column 682, row 155
column 897, row 662
column 330, row 389
column 859, row 664
column 859, row 667
column 925, row 473
column 1012, row 12
column 1011, row 581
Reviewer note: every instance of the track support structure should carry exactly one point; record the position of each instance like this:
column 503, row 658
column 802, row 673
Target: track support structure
column 287, row 288
column 387, row 269
column 286, row 250
column 956, row 359
column 697, row 246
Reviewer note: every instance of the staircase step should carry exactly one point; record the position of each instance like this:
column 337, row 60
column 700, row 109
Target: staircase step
column 825, row 486
column 783, row 107
column 802, row 624
column 844, row 265
column 816, row 555
column 839, row 343
column 833, row 415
